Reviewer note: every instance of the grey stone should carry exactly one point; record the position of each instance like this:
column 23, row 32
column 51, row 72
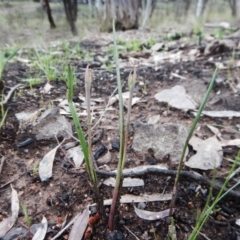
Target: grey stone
column 162, row 139
column 51, row 124
column 142, row 205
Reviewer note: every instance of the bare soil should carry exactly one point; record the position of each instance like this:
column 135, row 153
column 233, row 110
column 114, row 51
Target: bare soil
column 69, row 190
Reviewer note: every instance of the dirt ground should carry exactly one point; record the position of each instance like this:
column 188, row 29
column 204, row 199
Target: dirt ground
column 69, row 190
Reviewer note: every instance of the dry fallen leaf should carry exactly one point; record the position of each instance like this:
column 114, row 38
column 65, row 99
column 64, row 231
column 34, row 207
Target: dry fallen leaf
column 147, row 215
column 221, row 114
column 46, row 165
column 7, row 224
column 47, row 87
column 177, row 98
column 76, row 154
column 41, row 231
column 209, row 153
column 79, row 226
column 125, row 97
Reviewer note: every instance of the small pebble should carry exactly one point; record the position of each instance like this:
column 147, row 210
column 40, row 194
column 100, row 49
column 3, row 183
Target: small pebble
column 142, row 205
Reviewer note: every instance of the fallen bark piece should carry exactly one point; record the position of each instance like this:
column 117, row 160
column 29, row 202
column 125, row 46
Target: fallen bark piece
column 7, row 223
column 151, row 216
column 221, row 114
column 129, row 198
column 41, row 231
column 127, row 182
column 142, row 168
column 79, row 226
column 209, row 153
column 232, row 142
column 176, row 97
column 163, row 139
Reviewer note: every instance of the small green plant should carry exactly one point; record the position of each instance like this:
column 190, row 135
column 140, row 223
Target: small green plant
column 27, row 219
column 32, row 81
column 198, row 32
column 25, row 213
column 218, row 33
column 209, row 208
column 4, row 59
column 46, row 64
column 35, row 167
column 195, row 122
column 86, row 148
column 4, row 116
column 123, row 130
column 109, row 67
column 134, row 46
column 151, row 42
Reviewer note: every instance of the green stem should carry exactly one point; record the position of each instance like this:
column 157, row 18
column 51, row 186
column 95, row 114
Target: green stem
column 195, row 122
column 88, row 81
column 121, row 131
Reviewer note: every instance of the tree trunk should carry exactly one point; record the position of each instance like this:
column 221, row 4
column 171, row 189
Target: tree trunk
column 182, row 7
column 232, row 4
column 90, row 8
column 146, row 12
column 125, row 12
column 49, row 14
column 70, row 7
column 201, row 6
column 238, row 8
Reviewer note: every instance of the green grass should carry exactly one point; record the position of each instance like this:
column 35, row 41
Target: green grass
column 123, row 129
column 85, row 147
column 5, row 57
column 209, row 208
column 31, row 82
column 48, row 64
column 26, row 215
column 195, row 122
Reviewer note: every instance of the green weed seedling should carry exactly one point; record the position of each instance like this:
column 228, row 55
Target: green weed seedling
column 123, row 129
column 27, row 219
column 25, row 213
column 134, row 46
column 4, row 116
column 4, row 59
column 86, row 147
column 31, row 82
column 48, row 64
column 203, row 216
column 195, row 122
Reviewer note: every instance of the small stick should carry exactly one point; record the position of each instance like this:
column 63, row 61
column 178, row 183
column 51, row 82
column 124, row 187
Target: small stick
column 5, row 184
column 1, row 165
column 185, row 174
column 131, row 232
column 12, row 89
column 99, row 120
column 65, row 228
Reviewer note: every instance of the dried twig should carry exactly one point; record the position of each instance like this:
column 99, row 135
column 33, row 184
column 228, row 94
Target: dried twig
column 131, row 232
column 109, row 101
column 12, row 89
column 66, row 227
column 5, row 184
column 185, row 174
